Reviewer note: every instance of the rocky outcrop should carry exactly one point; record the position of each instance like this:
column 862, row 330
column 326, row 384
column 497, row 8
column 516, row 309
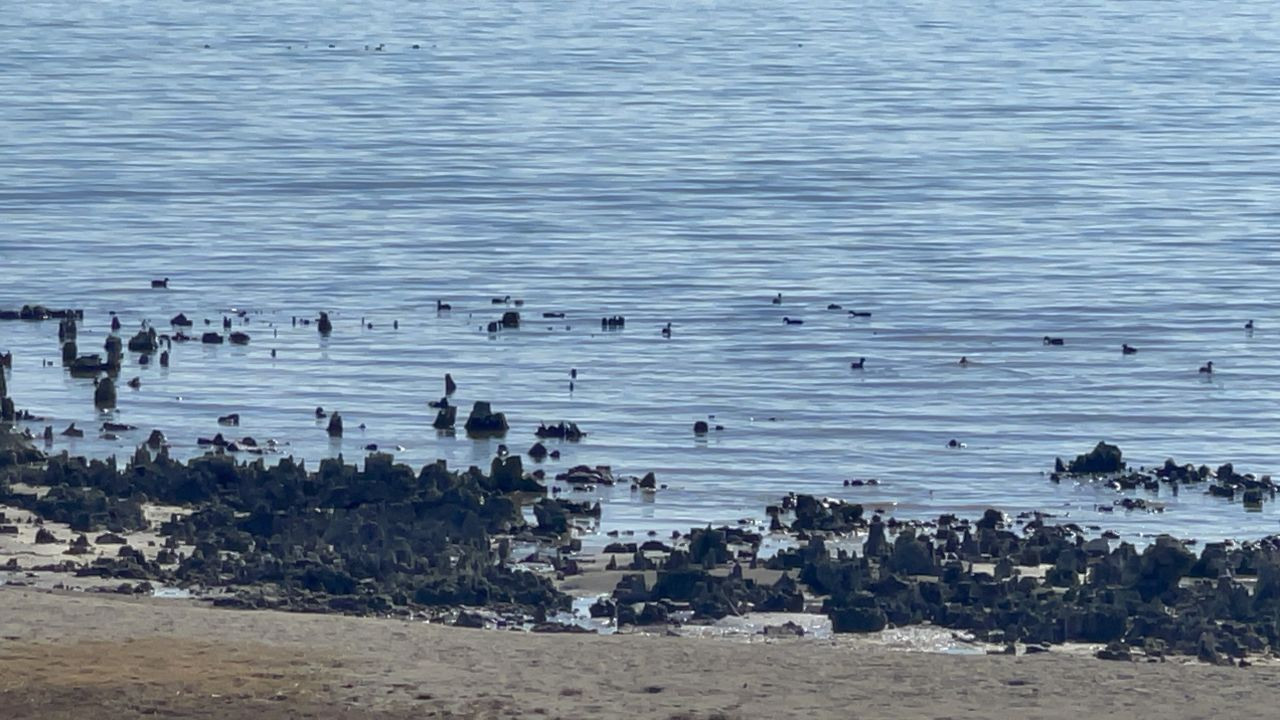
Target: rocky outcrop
column 1102, row 459
column 339, row 539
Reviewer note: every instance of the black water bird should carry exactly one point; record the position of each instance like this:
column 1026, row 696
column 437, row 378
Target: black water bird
column 860, row 364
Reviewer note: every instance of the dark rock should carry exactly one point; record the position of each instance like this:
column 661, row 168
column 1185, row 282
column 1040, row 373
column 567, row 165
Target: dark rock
column 104, row 396
column 603, row 608
column 1103, row 459
column 484, row 422
column 864, row 617
column 1115, row 651
column 507, row 475
column 583, row 475
column 144, row 341
column 561, row 431
column 335, row 425
column 467, row 619
column 445, row 418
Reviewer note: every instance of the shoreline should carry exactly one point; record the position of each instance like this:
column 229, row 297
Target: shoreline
column 448, row 545
column 130, row 657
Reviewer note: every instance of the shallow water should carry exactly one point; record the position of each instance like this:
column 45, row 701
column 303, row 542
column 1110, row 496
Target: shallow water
column 977, row 177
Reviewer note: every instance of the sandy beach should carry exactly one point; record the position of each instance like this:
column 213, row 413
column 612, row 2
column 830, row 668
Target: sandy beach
column 61, row 653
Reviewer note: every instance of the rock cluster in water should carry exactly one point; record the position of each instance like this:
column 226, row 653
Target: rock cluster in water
column 1105, row 463
column 1045, row 584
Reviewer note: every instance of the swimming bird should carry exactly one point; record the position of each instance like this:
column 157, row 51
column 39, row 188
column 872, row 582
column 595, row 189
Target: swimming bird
column 1248, row 325
column 963, row 361
column 860, row 364
column 1054, row 341
column 777, row 300
column 501, row 301
column 666, row 331
column 441, row 306
column 1207, row 368
column 135, row 383
column 1128, row 349
column 160, row 283
column 792, row 321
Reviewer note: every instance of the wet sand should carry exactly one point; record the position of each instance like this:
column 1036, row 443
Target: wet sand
column 63, row 653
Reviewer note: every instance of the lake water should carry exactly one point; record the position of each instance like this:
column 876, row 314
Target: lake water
column 976, row 175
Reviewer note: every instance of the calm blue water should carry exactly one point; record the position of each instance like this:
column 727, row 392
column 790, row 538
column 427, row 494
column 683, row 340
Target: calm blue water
column 975, row 174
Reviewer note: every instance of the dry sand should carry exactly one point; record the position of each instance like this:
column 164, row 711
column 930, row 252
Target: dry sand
column 83, row 655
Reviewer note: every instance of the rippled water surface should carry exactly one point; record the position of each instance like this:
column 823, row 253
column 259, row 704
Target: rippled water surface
column 977, row 175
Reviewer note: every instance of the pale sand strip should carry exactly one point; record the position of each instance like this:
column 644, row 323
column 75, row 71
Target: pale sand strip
column 63, row 655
